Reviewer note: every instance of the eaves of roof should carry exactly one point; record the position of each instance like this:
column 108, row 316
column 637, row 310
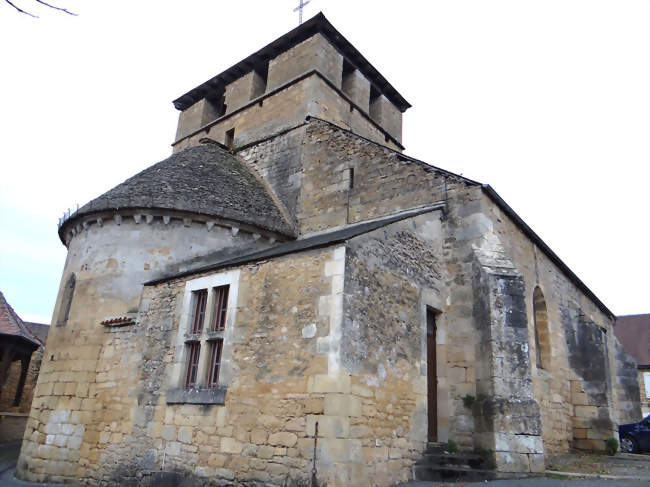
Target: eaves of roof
column 317, row 24
column 521, row 224
column 202, row 180
column 12, row 326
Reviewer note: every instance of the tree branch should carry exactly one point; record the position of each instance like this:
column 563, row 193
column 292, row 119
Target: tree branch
column 21, row 10
column 54, row 7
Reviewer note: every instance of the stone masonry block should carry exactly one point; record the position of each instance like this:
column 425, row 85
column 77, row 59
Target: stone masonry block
column 342, row 405
column 334, row 268
column 283, row 438
column 258, row 436
column 265, row 451
column 321, row 383
column 588, row 412
column 512, row 462
column 332, row 450
column 185, row 434
column 328, row 426
column 518, row 443
column 230, row 445
column 313, row 405
column 537, row 463
column 168, row 432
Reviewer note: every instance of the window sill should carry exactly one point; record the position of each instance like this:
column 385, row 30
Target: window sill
column 197, row 396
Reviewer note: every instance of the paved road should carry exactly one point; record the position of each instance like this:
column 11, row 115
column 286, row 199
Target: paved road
column 535, row 482
column 7, row 480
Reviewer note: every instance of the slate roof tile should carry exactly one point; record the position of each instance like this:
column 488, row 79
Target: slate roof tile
column 206, row 180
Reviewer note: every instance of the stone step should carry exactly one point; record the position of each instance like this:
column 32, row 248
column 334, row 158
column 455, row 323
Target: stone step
column 468, row 460
column 451, row 474
column 434, row 447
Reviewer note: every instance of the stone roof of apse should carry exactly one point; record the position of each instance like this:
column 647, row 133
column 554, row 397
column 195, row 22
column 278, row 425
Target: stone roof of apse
column 633, row 331
column 206, row 180
column 11, row 324
column 317, row 24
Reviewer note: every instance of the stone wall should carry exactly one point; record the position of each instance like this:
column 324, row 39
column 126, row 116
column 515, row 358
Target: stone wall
column 644, row 392
column 279, row 161
column 282, row 110
column 385, row 182
column 13, row 419
column 12, row 426
column 392, row 276
column 575, row 324
column 78, row 401
column 315, row 52
column 507, row 417
column 121, row 426
column 625, row 382
column 575, row 410
column 8, row 392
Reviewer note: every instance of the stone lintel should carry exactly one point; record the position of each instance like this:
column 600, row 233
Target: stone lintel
column 215, row 396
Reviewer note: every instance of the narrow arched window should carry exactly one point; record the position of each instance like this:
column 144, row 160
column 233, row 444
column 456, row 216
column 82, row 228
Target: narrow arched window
column 542, row 332
column 66, row 300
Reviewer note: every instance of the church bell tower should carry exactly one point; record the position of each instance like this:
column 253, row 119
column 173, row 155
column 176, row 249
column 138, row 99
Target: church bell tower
column 312, row 71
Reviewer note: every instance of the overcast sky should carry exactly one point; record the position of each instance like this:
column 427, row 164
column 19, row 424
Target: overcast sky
column 547, row 101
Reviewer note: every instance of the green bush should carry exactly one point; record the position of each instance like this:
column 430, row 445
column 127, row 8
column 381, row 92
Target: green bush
column 612, row 445
column 468, row 401
column 452, row 447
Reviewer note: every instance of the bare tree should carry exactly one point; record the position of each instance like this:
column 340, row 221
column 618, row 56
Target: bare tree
column 42, row 3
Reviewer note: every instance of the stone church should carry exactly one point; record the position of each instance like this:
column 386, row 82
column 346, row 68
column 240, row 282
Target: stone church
column 289, row 296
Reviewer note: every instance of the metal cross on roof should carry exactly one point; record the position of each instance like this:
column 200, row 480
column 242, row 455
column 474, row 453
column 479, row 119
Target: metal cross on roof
column 299, row 10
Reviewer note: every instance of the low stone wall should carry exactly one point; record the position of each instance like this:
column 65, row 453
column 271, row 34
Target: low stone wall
column 12, row 426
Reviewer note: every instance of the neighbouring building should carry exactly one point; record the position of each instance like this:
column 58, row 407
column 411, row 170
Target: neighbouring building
column 288, row 283
column 633, row 331
column 21, row 352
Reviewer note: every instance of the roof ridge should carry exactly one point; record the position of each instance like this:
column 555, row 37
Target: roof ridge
column 396, row 152
column 267, row 187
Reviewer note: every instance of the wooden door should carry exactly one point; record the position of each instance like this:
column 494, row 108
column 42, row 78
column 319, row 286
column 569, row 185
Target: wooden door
column 432, row 376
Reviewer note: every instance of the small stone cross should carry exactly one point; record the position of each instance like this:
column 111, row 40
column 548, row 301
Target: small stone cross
column 299, row 10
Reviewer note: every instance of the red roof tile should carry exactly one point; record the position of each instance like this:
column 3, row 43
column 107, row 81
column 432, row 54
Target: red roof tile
column 11, row 324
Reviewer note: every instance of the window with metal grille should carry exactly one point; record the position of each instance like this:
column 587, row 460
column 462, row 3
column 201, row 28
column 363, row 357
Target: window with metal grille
column 194, row 350
column 200, row 300
column 220, row 308
column 216, row 346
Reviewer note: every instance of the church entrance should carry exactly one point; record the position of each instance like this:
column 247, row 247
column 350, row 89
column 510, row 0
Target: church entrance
column 432, row 376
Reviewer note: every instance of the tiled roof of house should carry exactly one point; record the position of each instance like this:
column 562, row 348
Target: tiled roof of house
column 633, row 331
column 11, row 324
column 206, row 180
column 38, row 330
